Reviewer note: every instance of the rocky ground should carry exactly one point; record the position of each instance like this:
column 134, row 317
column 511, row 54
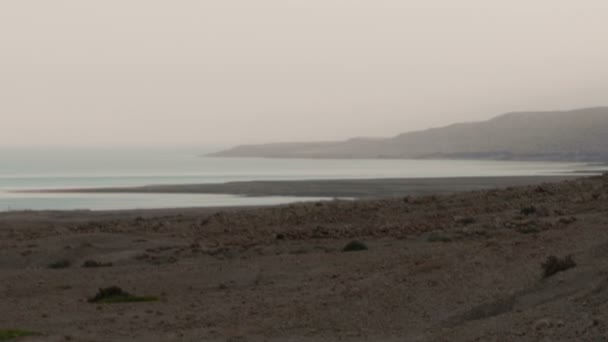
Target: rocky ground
column 462, row 267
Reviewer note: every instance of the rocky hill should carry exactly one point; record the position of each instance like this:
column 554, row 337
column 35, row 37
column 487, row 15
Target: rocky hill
column 578, row 135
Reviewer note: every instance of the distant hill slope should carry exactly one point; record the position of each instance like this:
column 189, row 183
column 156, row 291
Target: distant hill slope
column 578, row 135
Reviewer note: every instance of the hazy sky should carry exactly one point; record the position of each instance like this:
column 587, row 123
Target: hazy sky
column 185, row 71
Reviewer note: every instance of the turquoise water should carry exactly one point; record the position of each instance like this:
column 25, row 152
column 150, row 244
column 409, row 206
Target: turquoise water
column 23, row 169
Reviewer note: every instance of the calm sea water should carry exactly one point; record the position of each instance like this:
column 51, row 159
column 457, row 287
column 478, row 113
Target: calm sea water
column 22, row 169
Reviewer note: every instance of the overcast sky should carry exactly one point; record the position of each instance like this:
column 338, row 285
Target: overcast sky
column 236, row 71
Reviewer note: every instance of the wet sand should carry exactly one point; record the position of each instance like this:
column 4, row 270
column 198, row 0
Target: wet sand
column 355, row 188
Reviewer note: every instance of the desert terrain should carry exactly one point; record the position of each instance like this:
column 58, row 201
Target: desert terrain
column 451, row 267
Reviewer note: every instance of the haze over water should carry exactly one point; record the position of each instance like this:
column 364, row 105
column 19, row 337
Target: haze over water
column 23, row 169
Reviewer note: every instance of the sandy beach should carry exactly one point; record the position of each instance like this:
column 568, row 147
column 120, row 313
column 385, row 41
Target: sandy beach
column 459, row 267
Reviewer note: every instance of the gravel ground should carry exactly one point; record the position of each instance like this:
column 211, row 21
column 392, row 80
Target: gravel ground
column 460, row 267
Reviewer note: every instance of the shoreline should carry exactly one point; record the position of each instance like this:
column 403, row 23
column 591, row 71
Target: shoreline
column 339, row 188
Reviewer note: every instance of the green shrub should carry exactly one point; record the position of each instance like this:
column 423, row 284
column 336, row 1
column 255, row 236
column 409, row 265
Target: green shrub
column 6, row 335
column 114, row 294
column 60, row 264
column 355, row 246
column 554, row 265
column 527, row 211
column 529, row 230
column 465, row 221
column 435, row 237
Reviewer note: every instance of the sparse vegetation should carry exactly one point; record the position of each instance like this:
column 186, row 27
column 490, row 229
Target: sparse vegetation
column 465, row 221
column 7, row 335
column 531, row 229
column 95, row 264
column 60, row 264
column 355, row 246
column 436, row 237
column 114, row 295
column 554, row 265
column 527, row 211
column 567, row 220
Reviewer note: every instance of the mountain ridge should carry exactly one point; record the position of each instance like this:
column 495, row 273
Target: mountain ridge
column 574, row 135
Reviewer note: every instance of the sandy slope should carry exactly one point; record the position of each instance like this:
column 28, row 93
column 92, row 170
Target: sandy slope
column 462, row 267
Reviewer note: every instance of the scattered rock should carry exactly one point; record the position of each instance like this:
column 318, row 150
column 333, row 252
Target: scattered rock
column 554, row 265
column 96, row 264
